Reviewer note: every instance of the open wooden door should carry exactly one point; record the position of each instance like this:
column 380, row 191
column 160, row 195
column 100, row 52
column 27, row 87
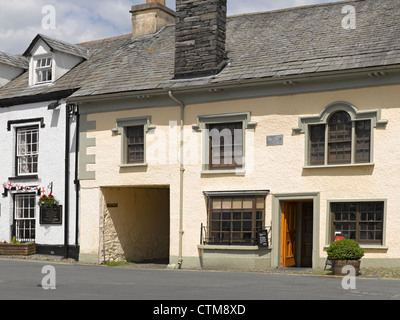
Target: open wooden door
column 288, row 245
column 307, row 234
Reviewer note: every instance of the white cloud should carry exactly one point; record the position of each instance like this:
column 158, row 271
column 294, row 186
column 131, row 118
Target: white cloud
column 80, row 21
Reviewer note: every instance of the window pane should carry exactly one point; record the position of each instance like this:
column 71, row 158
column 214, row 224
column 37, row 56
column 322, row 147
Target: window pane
column 237, row 216
column 363, row 141
column 226, row 216
column 317, row 144
column 216, row 203
column 225, row 145
column 227, row 204
column 25, row 217
column 260, row 203
column 27, row 150
column 135, row 144
column 237, row 225
column 339, row 138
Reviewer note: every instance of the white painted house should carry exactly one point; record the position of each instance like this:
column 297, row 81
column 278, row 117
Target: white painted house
column 39, row 143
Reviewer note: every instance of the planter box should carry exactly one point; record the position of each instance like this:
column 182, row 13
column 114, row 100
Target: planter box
column 22, row 249
column 337, row 266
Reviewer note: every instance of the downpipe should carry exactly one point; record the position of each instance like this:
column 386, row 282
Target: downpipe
column 181, row 173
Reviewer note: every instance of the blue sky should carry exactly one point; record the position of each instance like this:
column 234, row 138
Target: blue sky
column 79, row 21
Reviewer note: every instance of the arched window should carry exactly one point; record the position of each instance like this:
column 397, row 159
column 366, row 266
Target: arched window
column 340, row 135
column 339, row 138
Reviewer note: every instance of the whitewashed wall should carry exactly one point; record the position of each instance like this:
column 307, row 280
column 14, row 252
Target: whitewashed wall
column 51, row 167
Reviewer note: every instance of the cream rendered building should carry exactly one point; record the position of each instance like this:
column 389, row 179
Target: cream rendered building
column 309, row 113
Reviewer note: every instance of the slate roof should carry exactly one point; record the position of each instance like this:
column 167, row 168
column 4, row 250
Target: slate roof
column 58, row 45
column 14, row 61
column 270, row 45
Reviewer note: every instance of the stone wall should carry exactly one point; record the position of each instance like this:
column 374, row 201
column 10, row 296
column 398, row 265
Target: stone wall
column 200, row 37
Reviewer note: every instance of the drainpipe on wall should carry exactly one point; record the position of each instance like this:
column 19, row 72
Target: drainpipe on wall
column 71, row 110
column 76, row 182
column 68, row 109
column 182, row 170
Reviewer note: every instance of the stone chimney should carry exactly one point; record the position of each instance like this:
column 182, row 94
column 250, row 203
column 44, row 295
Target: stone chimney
column 150, row 17
column 200, row 38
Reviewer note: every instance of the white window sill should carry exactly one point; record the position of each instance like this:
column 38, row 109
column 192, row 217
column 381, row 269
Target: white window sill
column 132, row 165
column 371, row 164
column 239, row 172
column 43, row 84
column 231, row 248
column 368, row 246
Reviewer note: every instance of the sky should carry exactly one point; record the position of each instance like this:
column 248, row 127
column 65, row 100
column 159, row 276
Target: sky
column 77, row 21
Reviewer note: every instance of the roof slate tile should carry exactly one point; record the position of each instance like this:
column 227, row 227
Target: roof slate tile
column 290, row 42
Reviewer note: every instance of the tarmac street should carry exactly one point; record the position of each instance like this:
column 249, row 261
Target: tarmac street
column 47, row 280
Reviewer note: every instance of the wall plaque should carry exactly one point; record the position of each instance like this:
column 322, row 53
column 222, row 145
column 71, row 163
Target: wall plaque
column 50, row 215
column 275, row 140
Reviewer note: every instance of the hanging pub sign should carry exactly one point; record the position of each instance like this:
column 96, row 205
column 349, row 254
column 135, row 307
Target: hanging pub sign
column 262, row 238
column 50, row 210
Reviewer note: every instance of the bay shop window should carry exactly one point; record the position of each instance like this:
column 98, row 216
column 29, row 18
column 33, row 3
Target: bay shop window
column 235, row 217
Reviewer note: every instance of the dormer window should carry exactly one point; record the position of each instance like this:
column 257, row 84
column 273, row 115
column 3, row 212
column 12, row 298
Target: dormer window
column 44, row 70
column 50, row 59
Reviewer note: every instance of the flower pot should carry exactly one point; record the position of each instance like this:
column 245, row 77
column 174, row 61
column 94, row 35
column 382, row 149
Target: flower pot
column 337, row 267
column 20, row 249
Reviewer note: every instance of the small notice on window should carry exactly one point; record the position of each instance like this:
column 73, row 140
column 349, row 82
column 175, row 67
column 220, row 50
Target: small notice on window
column 262, row 238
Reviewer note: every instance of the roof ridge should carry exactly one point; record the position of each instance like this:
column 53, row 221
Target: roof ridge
column 295, row 8
column 91, row 42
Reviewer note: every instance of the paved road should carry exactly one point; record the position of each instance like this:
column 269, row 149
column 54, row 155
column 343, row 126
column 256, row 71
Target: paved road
column 23, row 280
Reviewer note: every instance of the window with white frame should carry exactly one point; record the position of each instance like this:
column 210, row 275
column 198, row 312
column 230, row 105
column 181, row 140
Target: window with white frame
column 27, row 152
column 43, row 70
column 25, row 217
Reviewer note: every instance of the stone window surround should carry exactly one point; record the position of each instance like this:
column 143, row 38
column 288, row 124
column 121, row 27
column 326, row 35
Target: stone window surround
column 201, row 126
column 328, row 239
column 323, row 118
column 120, row 129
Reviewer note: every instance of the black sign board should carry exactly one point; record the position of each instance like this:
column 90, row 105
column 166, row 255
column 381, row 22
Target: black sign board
column 51, row 215
column 262, row 238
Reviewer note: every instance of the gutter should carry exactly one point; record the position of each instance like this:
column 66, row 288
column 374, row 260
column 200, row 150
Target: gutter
column 182, row 170
column 368, row 72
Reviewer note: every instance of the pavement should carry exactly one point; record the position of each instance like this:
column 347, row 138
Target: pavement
column 368, row 273
column 32, row 278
